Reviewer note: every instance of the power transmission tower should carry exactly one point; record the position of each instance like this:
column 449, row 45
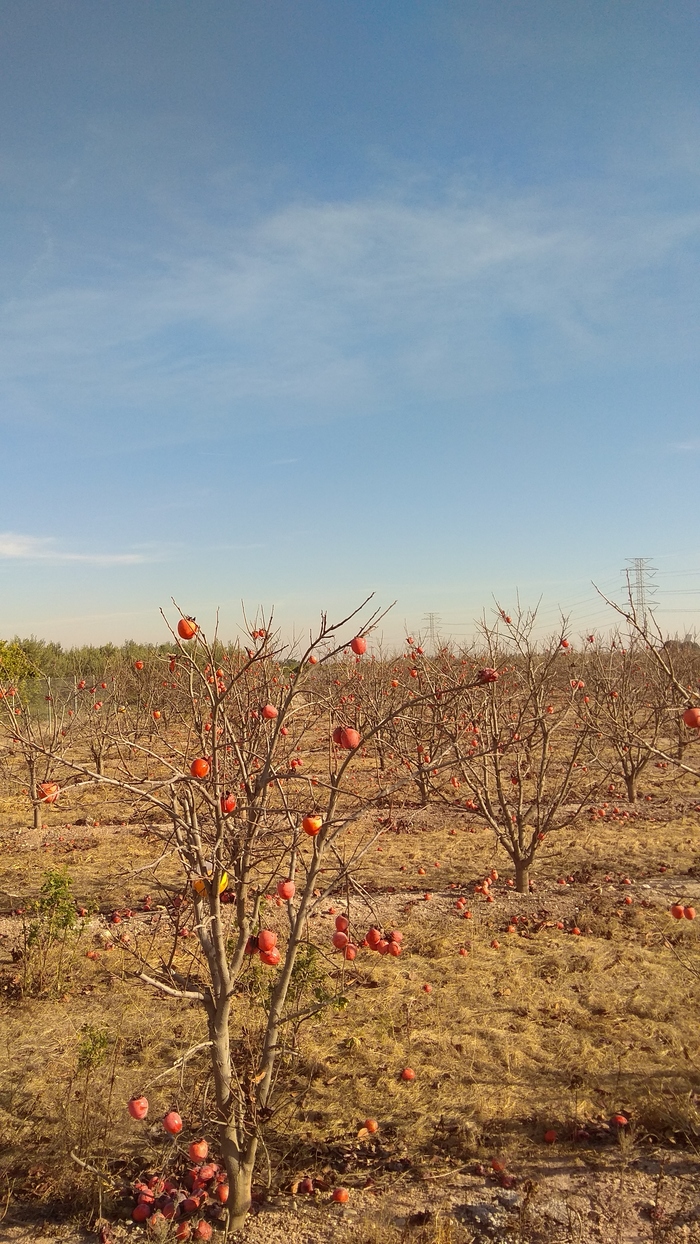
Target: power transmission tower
column 640, row 586
column 433, row 620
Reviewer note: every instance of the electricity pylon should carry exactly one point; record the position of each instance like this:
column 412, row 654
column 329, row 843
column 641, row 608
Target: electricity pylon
column 640, row 586
column 433, row 620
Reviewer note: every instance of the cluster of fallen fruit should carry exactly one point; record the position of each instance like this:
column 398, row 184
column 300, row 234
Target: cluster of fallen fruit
column 202, row 1192
column 162, row 1201
column 193, row 1208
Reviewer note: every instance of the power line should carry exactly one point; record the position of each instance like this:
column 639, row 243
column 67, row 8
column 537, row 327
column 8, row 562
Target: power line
column 646, row 597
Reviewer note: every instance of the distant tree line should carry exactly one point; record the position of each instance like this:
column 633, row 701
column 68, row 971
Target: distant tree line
column 25, row 658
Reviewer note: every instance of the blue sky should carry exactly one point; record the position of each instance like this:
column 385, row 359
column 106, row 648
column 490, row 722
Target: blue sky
column 304, row 301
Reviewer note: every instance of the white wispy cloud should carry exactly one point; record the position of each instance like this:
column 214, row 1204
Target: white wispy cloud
column 17, row 547
column 331, row 308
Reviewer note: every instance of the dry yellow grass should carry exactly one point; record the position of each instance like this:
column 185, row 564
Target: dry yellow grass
column 549, row 1030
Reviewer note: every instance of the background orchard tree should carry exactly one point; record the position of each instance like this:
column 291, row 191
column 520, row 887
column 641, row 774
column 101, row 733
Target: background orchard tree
column 677, row 666
column 98, row 704
column 35, row 722
column 528, row 754
column 422, row 736
column 628, row 704
column 401, row 704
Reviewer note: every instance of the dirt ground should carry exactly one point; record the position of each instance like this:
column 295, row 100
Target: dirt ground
column 547, row 1030
column 610, row 1199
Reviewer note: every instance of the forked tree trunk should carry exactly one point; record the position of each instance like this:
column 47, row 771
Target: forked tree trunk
column 631, row 784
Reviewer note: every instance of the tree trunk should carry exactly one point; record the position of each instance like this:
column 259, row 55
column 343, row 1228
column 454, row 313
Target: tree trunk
column 36, row 806
column 239, row 1168
column 423, row 788
column 522, row 877
column 238, row 1154
column 631, row 784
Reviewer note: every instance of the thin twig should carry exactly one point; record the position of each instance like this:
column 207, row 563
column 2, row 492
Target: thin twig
column 203, row 1045
column 88, row 1166
column 174, row 993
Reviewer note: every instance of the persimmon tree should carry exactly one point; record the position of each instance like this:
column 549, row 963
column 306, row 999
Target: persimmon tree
column 258, row 777
column 35, row 721
column 421, row 737
column 96, row 722
column 628, row 703
column 676, row 667
column 528, row 754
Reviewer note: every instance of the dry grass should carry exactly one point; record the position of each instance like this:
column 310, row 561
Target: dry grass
column 549, row 1030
